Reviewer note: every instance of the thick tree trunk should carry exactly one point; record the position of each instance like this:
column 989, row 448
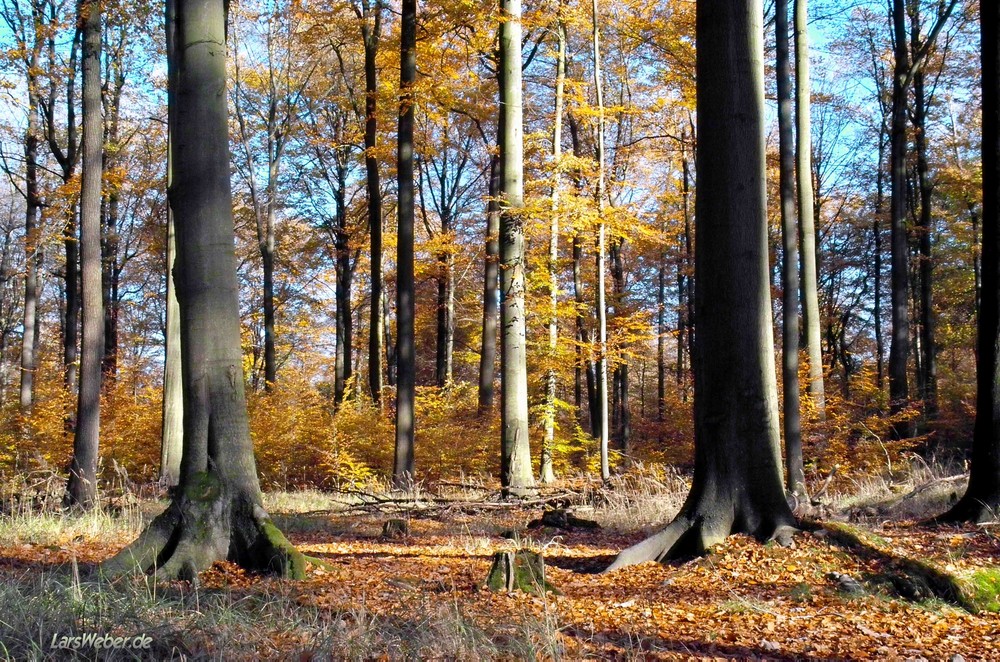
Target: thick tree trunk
column 402, row 473
column 601, row 426
column 371, row 32
column 81, row 490
column 217, row 512
column 515, row 451
column 491, row 275
column 981, row 502
column 807, row 221
column 796, row 479
column 737, row 484
column 877, row 260
column 546, row 472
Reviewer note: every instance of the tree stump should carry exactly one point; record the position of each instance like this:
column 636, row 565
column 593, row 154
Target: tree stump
column 522, row 570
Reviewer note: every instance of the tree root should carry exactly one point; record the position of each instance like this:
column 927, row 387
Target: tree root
column 205, row 524
column 692, row 535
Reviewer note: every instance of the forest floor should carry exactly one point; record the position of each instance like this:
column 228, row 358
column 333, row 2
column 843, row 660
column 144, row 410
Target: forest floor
column 421, row 594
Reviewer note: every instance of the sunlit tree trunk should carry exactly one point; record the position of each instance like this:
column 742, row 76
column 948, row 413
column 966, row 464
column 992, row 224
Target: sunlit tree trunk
column 789, row 259
column 217, row 514
column 403, row 465
column 737, row 486
column 546, row 473
column 807, row 221
column 602, row 314
column 172, row 434
column 515, row 451
column 32, row 230
column 81, row 489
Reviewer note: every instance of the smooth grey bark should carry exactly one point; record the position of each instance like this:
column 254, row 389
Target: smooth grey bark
column 546, row 472
column 216, row 512
column 516, row 476
column 807, row 220
column 33, row 203
column 81, row 489
column 792, row 422
column 403, row 465
column 981, row 501
column 601, row 426
column 737, row 485
column 491, row 276
column 370, row 16
column 172, row 430
column 172, row 435
column 111, row 258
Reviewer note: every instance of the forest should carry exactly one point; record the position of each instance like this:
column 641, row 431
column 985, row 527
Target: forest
column 392, row 329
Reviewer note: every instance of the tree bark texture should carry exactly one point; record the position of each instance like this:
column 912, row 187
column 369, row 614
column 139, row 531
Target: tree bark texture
column 807, row 219
column 216, row 512
column 796, row 480
column 516, row 476
column 402, row 473
column 81, row 490
column 737, row 485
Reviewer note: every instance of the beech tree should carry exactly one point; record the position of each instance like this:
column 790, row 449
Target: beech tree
column 515, row 454
column 81, row 490
column 217, row 511
column 789, row 260
column 981, row 501
column 737, row 485
column 402, row 472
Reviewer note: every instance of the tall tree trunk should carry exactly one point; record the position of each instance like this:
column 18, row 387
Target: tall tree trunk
column 402, row 473
column 172, row 433
column 81, row 490
column 928, row 344
column 218, row 512
column 515, row 451
column 877, row 259
column 602, row 313
column 689, row 319
column 445, row 303
column 807, row 221
column 981, row 501
column 491, row 275
column 546, row 472
column 899, row 348
column 343, row 365
column 371, row 32
column 789, row 260
column 32, row 231
column 111, row 271
column 737, row 485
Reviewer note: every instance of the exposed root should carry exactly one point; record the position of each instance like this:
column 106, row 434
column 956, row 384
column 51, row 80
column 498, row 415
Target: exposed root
column 692, row 534
column 205, row 524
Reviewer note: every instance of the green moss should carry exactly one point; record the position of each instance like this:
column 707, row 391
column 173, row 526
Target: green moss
column 204, row 486
column 291, row 562
column 523, row 570
column 983, row 589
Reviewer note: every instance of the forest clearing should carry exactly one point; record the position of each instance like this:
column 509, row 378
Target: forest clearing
column 422, row 594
